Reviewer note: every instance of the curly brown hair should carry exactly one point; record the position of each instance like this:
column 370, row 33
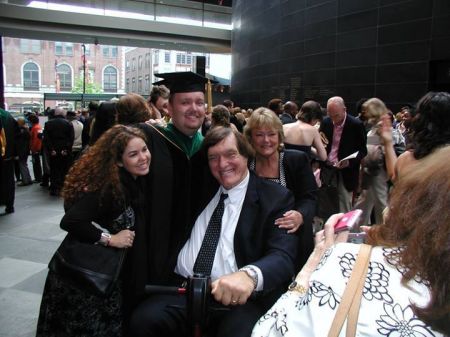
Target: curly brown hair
column 419, row 222
column 132, row 109
column 97, row 169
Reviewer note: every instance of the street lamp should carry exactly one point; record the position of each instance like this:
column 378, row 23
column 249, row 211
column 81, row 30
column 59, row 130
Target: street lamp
column 84, row 68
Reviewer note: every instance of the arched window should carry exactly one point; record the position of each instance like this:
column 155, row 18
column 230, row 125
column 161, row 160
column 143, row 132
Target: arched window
column 110, row 79
column 65, row 77
column 30, row 76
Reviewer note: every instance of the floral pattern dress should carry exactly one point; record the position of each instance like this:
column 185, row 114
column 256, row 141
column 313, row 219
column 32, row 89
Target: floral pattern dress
column 385, row 306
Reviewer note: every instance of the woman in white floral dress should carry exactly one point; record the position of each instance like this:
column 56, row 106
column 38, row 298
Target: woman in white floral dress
column 406, row 288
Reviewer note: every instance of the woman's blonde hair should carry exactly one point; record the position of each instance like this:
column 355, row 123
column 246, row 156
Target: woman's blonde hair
column 263, row 118
column 373, row 109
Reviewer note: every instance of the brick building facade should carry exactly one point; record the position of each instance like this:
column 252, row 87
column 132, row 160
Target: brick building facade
column 34, row 67
column 142, row 63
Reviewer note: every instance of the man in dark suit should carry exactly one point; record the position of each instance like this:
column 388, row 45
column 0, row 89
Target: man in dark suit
column 58, row 140
column 251, row 259
column 344, row 135
column 290, row 110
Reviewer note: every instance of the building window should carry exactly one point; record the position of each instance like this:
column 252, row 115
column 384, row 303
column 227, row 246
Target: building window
column 147, row 60
column 167, row 57
column 110, row 79
column 140, row 62
column 140, row 85
column 147, row 84
column 127, row 85
column 64, row 48
column 109, row 51
column 127, row 65
column 184, row 59
column 133, row 85
column 69, row 48
column 30, row 46
column 65, row 77
column 156, row 54
column 58, row 48
column 30, row 76
column 133, row 64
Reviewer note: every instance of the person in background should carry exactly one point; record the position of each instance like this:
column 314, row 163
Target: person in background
column 131, row 109
column 220, row 116
column 77, row 135
column 8, row 132
column 406, row 287
column 103, row 186
column 23, row 151
column 87, row 124
column 407, row 113
column 378, row 165
column 289, row 168
column 276, row 105
column 36, row 147
column 233, row 119
column 290, row 110
column 158, row 101
column 429, row 130
column 104, row 119
column 46, row 155
column 58, row 139
column 344, row 136
column 302, row 135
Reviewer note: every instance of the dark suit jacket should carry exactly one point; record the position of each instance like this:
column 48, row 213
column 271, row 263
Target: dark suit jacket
column 300, row 180
column 257, row 240
column 287, row 118
column 353, row 139
column 58, row 134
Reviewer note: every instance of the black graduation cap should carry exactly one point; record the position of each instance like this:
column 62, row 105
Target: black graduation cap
column 186, row 81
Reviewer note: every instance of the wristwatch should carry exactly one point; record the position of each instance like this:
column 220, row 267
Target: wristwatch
column 252, row 273
column 104, row 239
column 294, row 286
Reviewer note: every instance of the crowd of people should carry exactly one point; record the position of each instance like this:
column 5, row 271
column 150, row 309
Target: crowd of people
column 234, row 195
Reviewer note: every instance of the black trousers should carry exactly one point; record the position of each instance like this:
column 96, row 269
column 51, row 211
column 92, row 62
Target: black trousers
column 37, row 167
column 7, row 183
column 165, row 316
column 59, row 165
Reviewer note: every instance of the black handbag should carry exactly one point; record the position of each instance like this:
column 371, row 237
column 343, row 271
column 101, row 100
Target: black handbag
column 91, row 267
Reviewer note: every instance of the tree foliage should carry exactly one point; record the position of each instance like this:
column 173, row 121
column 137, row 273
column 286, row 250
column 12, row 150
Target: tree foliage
column 91, row 87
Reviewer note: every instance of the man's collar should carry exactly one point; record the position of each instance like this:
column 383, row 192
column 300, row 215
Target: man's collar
column 342, row 123
column 236, row 191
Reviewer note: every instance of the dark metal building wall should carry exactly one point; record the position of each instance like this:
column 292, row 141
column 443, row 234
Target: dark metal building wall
column 396, row 50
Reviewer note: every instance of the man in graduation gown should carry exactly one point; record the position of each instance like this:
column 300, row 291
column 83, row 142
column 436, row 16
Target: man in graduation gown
column 175, row 171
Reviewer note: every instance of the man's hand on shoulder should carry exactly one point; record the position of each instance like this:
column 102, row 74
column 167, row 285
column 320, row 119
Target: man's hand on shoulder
column 234, row 288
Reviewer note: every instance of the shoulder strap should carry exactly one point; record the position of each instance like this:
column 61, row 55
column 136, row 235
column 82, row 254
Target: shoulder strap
column 351, row 299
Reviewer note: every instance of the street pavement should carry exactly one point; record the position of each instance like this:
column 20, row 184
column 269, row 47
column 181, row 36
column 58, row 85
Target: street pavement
column 28, row 239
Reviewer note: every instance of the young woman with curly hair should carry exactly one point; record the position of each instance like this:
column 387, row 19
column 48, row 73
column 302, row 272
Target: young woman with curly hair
column 429, row 130
column 104, row 203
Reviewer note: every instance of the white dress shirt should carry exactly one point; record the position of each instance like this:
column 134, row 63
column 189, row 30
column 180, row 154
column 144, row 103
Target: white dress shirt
column 224, row 260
